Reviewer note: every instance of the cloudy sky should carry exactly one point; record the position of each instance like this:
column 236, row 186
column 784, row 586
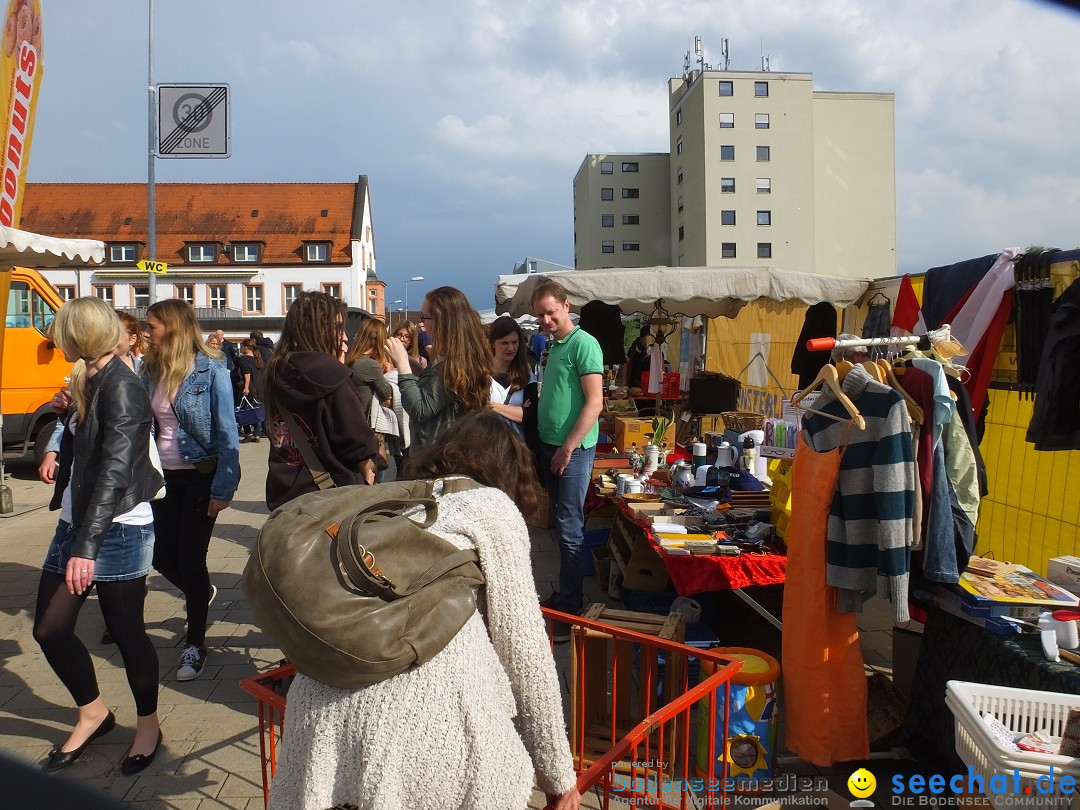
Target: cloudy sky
column 470, row 117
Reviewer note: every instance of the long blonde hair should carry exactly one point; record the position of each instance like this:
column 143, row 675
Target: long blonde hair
column 370, row 341
column 89, row 328
column 170, row 362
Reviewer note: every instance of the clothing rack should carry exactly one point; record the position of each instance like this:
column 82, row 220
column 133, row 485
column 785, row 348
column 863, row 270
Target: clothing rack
column 824, row 344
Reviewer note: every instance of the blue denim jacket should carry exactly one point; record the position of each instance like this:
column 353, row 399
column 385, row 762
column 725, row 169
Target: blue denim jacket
column 204, row 407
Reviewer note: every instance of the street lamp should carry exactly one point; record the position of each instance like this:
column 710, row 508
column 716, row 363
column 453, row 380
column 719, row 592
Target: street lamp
column 414, row 278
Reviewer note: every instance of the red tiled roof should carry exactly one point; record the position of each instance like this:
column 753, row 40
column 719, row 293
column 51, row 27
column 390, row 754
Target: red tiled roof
column 281, row 215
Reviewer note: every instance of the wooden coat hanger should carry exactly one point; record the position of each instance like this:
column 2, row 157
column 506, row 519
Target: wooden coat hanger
column 893, row 382
column 830, row 378
column 874, row 370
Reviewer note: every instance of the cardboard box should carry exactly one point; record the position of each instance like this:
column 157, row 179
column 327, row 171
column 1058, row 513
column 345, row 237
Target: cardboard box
column 1065, row 571
column 630, row 432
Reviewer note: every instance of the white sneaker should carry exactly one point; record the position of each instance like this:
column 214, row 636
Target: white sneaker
column 192, row 662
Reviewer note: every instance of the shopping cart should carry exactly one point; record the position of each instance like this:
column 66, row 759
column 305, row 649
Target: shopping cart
column 649, row 763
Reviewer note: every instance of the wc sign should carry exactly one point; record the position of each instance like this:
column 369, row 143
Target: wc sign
column 193, row 121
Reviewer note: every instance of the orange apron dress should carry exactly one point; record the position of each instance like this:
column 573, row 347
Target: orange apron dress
column 824, row 684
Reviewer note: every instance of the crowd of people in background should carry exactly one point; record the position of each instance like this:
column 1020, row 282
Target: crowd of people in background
column 146, row 456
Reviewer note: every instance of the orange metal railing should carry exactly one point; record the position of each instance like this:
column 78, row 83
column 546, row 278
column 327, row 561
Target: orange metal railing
column 637, row 684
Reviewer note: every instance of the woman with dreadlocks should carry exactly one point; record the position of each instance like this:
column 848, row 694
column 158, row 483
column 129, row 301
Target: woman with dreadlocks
column 307, row 378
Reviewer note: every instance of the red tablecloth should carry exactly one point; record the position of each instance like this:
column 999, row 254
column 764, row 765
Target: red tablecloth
column 700, row 573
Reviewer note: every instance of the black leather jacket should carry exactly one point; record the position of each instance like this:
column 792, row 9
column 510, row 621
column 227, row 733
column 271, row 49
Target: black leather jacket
column 110, row 450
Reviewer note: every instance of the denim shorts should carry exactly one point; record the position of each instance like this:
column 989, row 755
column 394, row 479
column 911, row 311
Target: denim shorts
column 126, row 552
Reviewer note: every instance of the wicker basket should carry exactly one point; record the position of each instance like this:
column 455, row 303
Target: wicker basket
column 742, row 421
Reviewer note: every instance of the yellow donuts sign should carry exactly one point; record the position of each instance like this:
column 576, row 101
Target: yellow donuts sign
column 20, row 73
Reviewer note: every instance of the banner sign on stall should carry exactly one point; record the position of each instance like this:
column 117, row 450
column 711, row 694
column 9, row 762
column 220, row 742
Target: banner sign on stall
column 20, row 82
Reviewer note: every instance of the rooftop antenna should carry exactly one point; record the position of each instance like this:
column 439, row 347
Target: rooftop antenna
column 699, row 49
column 724, row 52
column 764, row 58
column 686, row 66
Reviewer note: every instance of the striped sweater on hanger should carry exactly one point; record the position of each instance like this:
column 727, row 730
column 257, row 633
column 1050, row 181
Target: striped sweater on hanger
column 870, row 531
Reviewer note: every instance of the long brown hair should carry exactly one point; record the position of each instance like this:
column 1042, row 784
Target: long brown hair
column 134, row 329
column 370, row 341
column 462, row 348
column 414, row 338
column 313, row 323
column 483, row 446
column 248, row 343
column 520, row 370
column 174, row 357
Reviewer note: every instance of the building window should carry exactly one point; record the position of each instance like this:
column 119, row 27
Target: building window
column 253, row 298
column 607, row 167
column 217, row 295
column 762, row 154
column 630, row 194
column 727, row 120
column 678, row 117
column 764, row 185
column 631, row 219
column 289, row 293
column 678, row 179
column 761, row 89
column 67, row 291
column 682, row 233
column 373, row 302
column 727, row 217
column 245, row 252
column 727, row 250
column 727, row 152
column 201, row 254
column 761, row 121
column 607, row 194
column 631, row 246
column 764, row 217
column 316, row 251
column 122, row 254
column 727, row 185
column 680, row 202
column 185, row 292
column 678, row 146
column 764, row 250
column 333, row 290
column 727, row 88
column 140, row 295
column 629, row 166
column 607, row 220
column 104, row 292
column 607, row 246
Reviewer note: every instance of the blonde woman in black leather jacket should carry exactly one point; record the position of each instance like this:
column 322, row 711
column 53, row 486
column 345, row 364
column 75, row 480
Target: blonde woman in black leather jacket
column 105, row 536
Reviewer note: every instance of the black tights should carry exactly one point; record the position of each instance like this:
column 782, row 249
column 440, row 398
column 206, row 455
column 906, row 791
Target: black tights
column 122, row 606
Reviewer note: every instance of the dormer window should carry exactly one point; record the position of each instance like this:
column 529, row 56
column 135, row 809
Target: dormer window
column 317, row 251
column 245, row 252
column 122, row 254
column 203, row 253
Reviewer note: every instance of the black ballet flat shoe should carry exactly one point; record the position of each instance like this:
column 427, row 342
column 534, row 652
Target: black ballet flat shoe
column 61, row 759
column 140, row 762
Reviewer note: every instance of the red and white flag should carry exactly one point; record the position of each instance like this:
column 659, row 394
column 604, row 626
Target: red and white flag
column 907, row 315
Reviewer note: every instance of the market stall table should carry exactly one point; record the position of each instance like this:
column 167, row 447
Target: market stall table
column 695, row 574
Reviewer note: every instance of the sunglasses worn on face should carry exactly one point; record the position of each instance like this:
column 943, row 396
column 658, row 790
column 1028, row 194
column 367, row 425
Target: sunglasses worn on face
column 427, row 317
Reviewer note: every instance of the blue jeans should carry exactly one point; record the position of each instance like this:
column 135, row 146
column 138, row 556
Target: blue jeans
column 567, row 492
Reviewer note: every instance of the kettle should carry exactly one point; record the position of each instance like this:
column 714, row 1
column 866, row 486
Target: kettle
column 726, row 455
column 682, row 477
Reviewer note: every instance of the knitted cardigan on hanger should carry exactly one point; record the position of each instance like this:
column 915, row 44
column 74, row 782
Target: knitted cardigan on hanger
column 870, row 521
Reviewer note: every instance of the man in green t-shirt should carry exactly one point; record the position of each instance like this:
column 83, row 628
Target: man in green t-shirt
column 571, row 399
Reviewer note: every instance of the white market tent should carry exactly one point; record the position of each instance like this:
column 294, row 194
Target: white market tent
column 707, row 291
column 26, row 249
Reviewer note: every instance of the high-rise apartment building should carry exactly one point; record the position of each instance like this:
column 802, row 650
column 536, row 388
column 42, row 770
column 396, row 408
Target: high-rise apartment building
column 763, row 171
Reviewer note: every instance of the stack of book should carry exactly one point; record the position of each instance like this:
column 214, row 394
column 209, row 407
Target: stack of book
column 1001, row 597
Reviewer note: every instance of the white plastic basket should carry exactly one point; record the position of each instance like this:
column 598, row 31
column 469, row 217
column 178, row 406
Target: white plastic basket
column 1019, row 710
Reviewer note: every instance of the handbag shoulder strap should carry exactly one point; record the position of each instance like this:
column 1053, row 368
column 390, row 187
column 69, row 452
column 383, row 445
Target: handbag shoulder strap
column 321, row 476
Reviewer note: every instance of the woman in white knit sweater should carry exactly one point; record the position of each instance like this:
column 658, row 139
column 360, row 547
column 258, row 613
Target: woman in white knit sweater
column 480, row 723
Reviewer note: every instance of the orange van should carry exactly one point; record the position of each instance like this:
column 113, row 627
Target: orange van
column 34, row 369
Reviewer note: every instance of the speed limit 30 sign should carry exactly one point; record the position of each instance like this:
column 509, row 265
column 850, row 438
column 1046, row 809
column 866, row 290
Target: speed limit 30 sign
column 193, row 120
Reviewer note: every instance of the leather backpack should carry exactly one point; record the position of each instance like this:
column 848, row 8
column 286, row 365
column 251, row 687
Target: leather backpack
column 353, row 591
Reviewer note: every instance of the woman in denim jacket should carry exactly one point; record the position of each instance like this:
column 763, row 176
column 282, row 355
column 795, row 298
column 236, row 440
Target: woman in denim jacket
column 191, row 396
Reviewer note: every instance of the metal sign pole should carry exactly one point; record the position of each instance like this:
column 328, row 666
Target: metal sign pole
column 151, row 214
